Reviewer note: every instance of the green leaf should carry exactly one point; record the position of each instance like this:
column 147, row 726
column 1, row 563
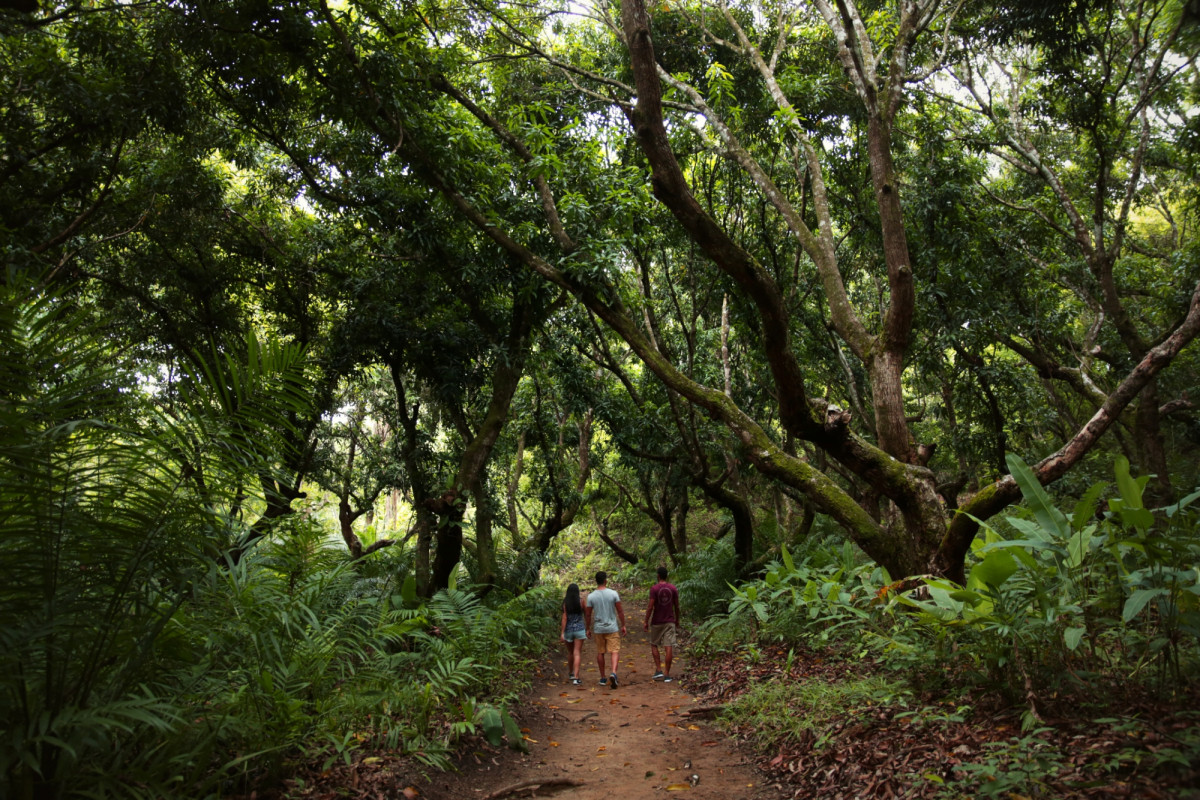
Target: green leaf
column 1138, row 600
column 1131, row 488
column 995, row 568
column 1050, row 518
column 1079, row 546
column 515, row 740
column 493, row 726
column 787, row 558
column 1073, row 636
column 1038, row 535
column 1182, row 504
column 1085, row 509
column 408, row 591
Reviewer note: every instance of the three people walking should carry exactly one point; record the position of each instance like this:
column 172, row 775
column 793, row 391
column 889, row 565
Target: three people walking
column 602, row 614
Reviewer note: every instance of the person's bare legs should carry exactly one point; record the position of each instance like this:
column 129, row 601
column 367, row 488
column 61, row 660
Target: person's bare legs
column 657, row 661
column 576, row 657
column 669, row 654
column 600, row 665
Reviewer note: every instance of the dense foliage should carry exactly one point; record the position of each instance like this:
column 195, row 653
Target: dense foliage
column 330, row 330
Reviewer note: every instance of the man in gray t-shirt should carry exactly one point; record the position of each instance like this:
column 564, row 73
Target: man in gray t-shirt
column 603, row 613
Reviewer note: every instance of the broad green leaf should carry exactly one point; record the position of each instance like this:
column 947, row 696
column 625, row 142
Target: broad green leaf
column 1182, row 504
column 1131, row 488
column 493, row 726
column 787, row 558
column 408, row 591
column 1047, row 514
column 1085, row 509
column 1039, row 536
column 1073, row 636
column 1135, row 517
column 1138, row 600
column 967, row 596
column 1080, row 544
column 513, row 731
column 995, row 568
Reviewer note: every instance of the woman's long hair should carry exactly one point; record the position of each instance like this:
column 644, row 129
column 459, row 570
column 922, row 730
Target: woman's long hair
column 571, row 601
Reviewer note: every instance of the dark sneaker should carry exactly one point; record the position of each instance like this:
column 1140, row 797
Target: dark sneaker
column 576, row 681
column 604, row 681
column 658, row 676
column 666, row 679
column 612, row 680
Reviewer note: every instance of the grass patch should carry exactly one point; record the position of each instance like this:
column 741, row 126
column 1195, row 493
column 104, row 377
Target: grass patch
column 783, row 712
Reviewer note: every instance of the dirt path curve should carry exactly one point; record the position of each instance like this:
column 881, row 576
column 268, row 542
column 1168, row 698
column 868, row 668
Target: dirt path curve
column 592, row 742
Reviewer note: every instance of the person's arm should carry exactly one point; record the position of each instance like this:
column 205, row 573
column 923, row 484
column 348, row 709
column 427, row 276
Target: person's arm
column 563, row 628
column 678, row 614
column 649, row 613
column 587, row 616
column 621, row 616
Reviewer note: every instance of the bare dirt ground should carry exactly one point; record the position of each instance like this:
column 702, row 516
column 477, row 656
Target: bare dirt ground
column 644, row 739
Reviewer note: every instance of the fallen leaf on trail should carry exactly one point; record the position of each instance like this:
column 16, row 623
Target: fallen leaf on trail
column 553, row 744
column 524, row 730
column 562, row 694
column 576, row 700
column 693, row 727
column 372, row 760
column 708, row 744
column 777, row 760
column 678, row 787
column 409, row 793
column 526, row 738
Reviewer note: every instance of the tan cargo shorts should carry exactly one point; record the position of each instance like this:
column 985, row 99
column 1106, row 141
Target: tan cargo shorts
column 607, row 642
column 663, row 635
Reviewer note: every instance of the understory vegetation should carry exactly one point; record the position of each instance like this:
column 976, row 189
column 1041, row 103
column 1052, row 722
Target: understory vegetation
column 1068, row 662
column 337, row 336
column 146, row 654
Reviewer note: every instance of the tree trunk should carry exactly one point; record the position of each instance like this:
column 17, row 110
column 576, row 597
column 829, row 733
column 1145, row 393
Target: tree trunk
column 1152, row 454
column 485, row 545
column 743, row 520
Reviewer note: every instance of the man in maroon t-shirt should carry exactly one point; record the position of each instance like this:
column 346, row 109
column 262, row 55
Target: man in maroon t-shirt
column 662, row 620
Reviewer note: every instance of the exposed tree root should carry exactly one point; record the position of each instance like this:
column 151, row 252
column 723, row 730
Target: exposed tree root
column 533, row 785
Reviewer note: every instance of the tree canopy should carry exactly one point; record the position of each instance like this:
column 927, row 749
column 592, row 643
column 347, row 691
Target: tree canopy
column 836, row 258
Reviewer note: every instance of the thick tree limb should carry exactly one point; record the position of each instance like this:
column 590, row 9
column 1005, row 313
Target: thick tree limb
column 1005, row 491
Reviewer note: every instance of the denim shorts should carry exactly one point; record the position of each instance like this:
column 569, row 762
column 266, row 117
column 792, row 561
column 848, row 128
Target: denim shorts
column 571, row 636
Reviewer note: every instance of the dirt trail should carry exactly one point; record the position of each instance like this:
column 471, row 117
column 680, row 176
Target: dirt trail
column 592, row 742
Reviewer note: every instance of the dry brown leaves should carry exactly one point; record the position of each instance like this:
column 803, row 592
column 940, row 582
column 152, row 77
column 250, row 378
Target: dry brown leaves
column 876, row 754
